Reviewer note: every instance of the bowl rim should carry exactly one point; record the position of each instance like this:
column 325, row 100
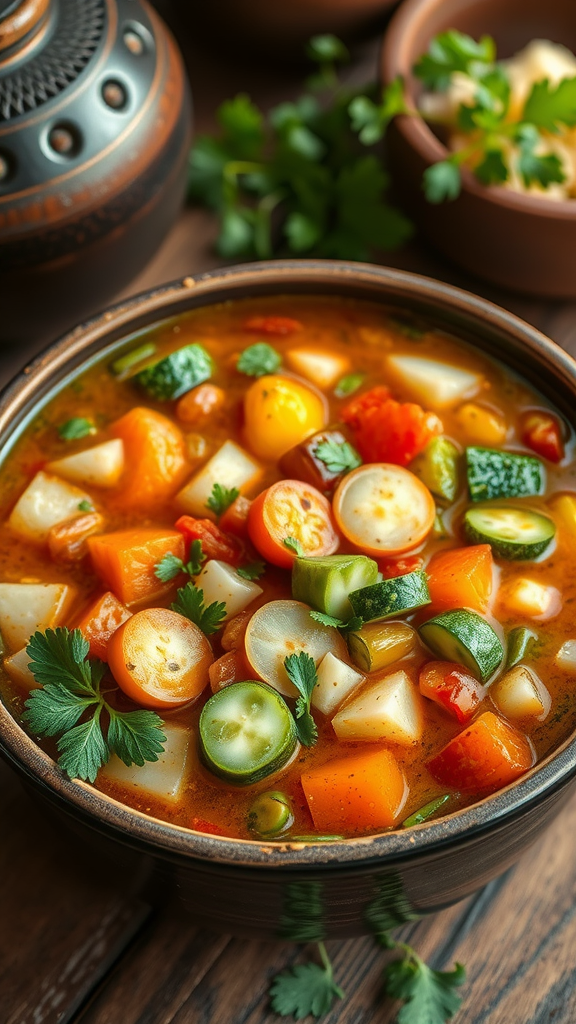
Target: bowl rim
column 279, row 277
column 396, row 59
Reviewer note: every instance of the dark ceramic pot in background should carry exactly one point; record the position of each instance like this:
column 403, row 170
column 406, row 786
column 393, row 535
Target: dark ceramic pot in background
column 299, row 891
column 95, row 125
column 515, row 241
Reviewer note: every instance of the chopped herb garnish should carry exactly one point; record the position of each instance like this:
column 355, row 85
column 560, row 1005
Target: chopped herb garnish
column 71, row 690
column 306, row 989
column 258, row 360
column 426, row 812
column 337, row 456
column 356, row 622
column 348, row 385
column 85, row 506
column 196, row 558
column 301, row 671
column 177, row 373
column 221, row 498
column 171, row 566
column 76, row 428
column 252, row 571
column 294, row 545
column 190, row 603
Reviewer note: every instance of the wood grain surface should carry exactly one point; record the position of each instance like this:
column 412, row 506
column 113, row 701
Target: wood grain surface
column 83, row 944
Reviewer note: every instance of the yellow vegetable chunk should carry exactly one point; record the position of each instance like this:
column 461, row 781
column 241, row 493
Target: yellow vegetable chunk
column 524, row 596
column 321, row 367
column 279, row 414
column 520, row 694
column 481, row 425
column 563, row 507
column 391, row 709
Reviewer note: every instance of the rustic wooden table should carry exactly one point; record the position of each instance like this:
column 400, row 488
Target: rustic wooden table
column 78, row 945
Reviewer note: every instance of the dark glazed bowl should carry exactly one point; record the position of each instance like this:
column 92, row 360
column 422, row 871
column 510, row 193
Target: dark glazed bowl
column 517, row 241
column 294, row 890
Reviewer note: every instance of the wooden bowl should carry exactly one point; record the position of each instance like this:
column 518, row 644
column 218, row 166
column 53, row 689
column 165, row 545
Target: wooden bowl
column 517, row 241
column 285, row 890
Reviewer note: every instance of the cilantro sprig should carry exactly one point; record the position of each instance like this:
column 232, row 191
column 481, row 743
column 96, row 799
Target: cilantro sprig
column 252, row 570
column 190, row 603
column 337, row 456
column 293, row 544
column 70, row 691
column 301, row 671
column 356, row 622
column 221, row 498
column 171, row 565
column 306, row 989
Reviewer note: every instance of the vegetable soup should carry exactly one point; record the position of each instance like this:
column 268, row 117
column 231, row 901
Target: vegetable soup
column 293, row 568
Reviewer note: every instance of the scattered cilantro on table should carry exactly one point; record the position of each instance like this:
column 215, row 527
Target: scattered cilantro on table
column 221, row 498
column 190, row 603
column 70, row 690
column 306, row 989
column 301, row 671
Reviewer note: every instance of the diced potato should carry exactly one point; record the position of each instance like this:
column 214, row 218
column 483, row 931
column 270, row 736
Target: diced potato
column 528, row 597
column 520, row 694
column 46, row 502
column 321, row 367
column 101, row 465
column 438, row 385
column 231, row 467
column 566, row 657
column 164, row 779
column 17, row 668
column 390, row 710
column 481, row 425
column 336, row 681
column 220, row 582
column 27, row 607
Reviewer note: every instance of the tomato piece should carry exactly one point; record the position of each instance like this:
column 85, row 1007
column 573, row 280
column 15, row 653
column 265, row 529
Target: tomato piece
column 201, row 825
column 461, row 578
column 389, row 431
column 294, row 509
column 392, row 567
column 235, row 518
column 453, row 687
column 543, row 434
column 160, row 659
column 486, row 756
column 272, row 325
column 199, row 404
column 100, row 621
column 280, row 413
column 215, row 543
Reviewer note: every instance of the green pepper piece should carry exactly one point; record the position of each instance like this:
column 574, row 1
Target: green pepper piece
column 426, row 812
column 437, row 468
column 520, row 641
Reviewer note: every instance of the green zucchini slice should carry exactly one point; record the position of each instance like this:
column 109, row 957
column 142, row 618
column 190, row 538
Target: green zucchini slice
column 521, row 640
column 496, row 474
column 326, row 582
column 177, row 373
column 437, row 467
column 246, row 733
column 464, row 637
column 392, row 597
column 517, row 534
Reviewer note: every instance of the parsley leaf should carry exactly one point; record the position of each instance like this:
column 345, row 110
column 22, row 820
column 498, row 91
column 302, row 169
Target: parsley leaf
column 252, row 570
column 169, row 567
column 429, row 996
column 338, row 457
column 190, row 603
column 294, row 545
column 70, row 688
column 301, row 670
column 348, row 385
column 221, row 498
column 259, row 359
column 537, row 168
column 370, row 120
column 492, row 169
column 442, row 181
column 549, row 106
column 76, row 428
column 453, row 51
column 305, row 989
column 196, row 558
column 356, row 622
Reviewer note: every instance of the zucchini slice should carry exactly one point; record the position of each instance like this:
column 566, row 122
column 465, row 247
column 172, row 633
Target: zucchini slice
column 379, row 644
column 391, row 597
column 437, row 468
column 326, row 582
column 465, row 637
column 517, row 534
column 496, row 474
column 177, row 373
column 246, row 733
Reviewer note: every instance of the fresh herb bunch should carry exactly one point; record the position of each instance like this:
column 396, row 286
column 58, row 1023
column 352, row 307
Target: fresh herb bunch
column 296, row 179
column 71, row 690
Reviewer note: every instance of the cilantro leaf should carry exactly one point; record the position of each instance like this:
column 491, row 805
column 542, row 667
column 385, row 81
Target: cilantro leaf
column 258, row 360
column 135, row 736
column 537, row 168
column 54, row 709
column 338, row 457
column 294, row 545
column 190, row 603
column 370, row 119
column 492, row 170
column 301, row 671
column 442, row 181
column 59, row 656
column 252, row 570
column 429, row 996
column 305, row 989
column 74, row 429
column 549, row 106
column 356, row 622
column 221, row 498
column 327, row 48
column 196, row 558
column 349, row 384
column 453, row 51
column 83, row 749
column 169, row 567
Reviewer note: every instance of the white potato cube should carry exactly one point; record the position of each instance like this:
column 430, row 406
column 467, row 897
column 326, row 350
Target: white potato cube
column 17, row 668
column 27, row 607
column 322, row 368
column 566, row 657
column 220, row 582
column 528, row 597
column 164, row 779
column 336, row 681
column 390, row 710
column 101, row 465
column 438, row 385
column 46, row 502
column 231, row 467
column 520, row 694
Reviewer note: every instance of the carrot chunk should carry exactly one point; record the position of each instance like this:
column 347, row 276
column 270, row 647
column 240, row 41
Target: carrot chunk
column 461, row 578
column 543, row 434
column 155, row 458
column 486, row 756
column 389, row 431
column 101, row 620
column 358, row 792
column 125, row 560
